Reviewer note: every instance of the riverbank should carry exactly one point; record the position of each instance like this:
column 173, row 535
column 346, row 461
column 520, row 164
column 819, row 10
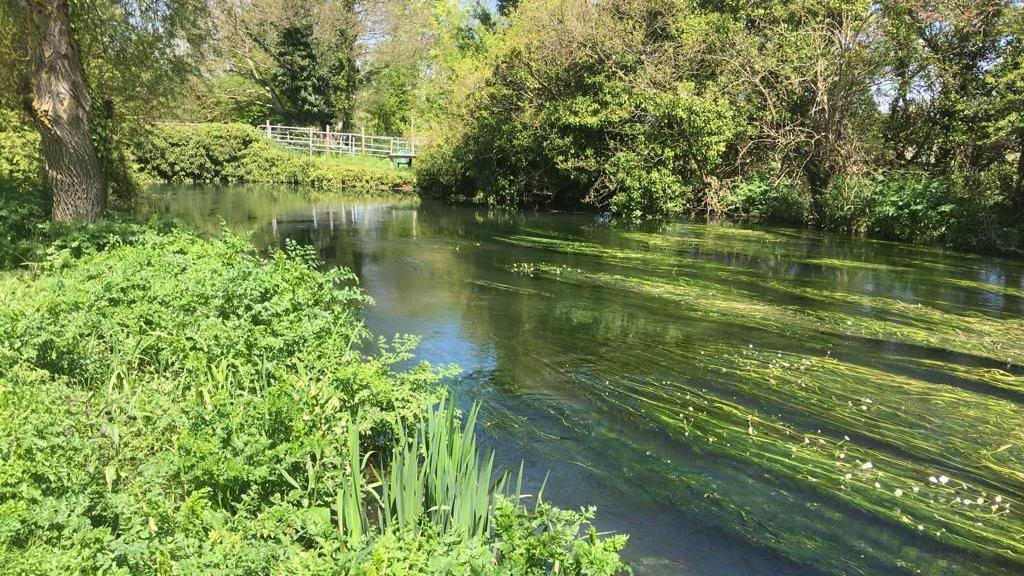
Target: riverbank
column 238, row 153
column 718, row 382
column 174, row 403
column 901, row 206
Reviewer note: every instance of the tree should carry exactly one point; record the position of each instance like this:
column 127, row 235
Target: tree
column 89, row 72
column 411, row 51
column 56, row 96
column 1004, row 108
column 940, row 56
column 302, row 54
column 804, row 74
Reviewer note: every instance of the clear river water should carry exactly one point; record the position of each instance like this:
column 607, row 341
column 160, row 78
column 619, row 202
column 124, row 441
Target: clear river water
column 740, row 401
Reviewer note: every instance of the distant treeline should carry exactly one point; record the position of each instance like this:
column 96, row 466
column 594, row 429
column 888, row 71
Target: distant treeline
column 903, row 120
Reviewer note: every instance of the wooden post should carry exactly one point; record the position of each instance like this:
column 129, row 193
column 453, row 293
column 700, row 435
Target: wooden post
column 329, row 140
column 310, row 141
column 362, row 143
column 268, row 129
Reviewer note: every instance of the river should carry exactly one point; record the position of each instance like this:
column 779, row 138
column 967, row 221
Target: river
column 740, row 401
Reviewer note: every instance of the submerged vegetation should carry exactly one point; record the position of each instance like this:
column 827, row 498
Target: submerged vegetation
column 933, row 446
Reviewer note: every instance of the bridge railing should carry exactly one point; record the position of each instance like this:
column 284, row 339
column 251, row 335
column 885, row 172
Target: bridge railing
column 314, row 141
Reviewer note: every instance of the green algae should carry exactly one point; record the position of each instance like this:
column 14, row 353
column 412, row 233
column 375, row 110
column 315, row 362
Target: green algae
column 944, row 462
column 854, row 265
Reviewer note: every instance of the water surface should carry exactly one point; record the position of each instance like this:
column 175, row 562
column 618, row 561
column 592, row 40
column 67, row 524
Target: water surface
column 740, row 401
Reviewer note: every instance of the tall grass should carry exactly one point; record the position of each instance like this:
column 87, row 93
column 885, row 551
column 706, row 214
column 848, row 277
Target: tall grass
column 437, row 474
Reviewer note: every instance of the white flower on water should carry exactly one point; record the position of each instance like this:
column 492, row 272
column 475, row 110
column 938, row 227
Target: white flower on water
column 877, row 485
column 920, row 527
column 849, row 476
column 943, row 479
column 980, row 500
column 867, row 466
column 916, row 489
column 999, row 499
column 933, row 479
column 898, row 492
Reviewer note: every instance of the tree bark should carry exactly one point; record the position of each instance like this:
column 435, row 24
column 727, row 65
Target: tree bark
column 57, row 98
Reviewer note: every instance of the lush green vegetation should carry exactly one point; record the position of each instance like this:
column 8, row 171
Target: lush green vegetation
column 179, row 406
column 897, row 121
column 170, row 404
column 900, row 121
column 241, row 153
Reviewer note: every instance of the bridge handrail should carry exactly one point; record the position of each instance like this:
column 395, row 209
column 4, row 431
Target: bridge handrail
column 315, row 141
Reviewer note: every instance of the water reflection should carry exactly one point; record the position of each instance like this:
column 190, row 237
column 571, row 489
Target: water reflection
column 675, row 375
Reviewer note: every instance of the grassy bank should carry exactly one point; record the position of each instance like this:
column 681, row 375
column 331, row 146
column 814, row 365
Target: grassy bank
column 233, row 153
column 179, row 406
column 176, row 405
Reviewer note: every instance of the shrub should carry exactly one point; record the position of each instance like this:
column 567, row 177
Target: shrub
column 179, row 406
column 240, row 153
column 757, row 200
column 202, row 153
column 918, row 207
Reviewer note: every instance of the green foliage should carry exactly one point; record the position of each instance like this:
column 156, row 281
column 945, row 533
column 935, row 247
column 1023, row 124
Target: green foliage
column 20, row 162
column 182, row 387
column 913, row 206
column 758, row 200
column 451, row 485
column 240, row 153
column 301, row 56
column 672, row 107
column 570, row 115
column 180, row 406
column 439, row 485
column 387, row 101
column 223, row 98
column 314, row 85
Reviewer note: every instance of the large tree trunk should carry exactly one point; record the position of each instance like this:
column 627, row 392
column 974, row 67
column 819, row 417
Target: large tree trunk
column 57, row 98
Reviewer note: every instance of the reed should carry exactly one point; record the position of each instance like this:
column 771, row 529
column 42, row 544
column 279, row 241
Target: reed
column 436, row 475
